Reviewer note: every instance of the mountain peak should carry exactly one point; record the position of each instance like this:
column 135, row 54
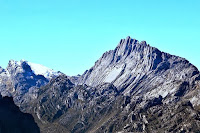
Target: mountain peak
column 131, row 61
column 13, row 63
column 133, row 80
column 37, row 69
column 128, row 41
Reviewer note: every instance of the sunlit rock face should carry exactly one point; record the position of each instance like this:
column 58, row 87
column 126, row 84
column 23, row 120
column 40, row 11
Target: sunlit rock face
column 23, row 78
column 136, row 67
column 133, row 88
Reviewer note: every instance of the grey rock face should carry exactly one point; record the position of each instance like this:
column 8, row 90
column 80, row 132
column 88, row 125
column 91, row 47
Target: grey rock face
column 71, row 107
column 18, row 79
column 136, row 68
column 64, row 107
column 133, row 88
column 129, row 89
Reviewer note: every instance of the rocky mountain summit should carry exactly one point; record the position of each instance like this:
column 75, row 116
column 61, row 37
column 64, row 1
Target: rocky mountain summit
column 133, row 65
column 133, row 88
column 22, row 77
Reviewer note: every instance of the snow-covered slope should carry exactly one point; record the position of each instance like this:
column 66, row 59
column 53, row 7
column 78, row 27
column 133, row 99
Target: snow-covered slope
column 43, row 70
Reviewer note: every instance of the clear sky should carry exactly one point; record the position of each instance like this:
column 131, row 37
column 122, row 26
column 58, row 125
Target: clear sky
column 70, row 35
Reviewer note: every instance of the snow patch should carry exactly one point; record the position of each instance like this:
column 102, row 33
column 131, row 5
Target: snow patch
column 42, row 70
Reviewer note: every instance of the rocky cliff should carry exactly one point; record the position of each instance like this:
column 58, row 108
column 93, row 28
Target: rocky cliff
column 133, row 88
column 21, row 78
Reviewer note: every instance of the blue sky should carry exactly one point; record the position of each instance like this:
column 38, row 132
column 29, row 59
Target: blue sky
column 70, row 35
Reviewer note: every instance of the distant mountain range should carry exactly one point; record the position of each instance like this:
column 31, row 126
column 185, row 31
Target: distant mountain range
column 133, row 88
column 20, row 78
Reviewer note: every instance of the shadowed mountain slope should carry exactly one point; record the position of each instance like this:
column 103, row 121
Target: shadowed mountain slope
column 12, row 120
column 133, row 88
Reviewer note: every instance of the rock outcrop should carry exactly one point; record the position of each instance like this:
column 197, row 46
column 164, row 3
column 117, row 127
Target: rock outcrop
column 133, row 88
column 19, row 79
